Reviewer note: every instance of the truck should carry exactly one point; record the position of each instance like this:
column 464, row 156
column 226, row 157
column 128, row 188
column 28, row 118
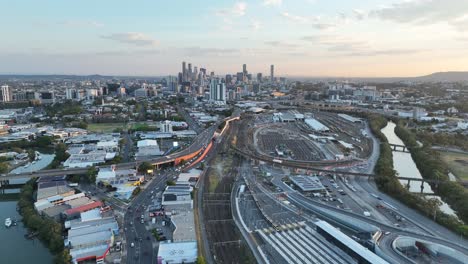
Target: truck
column 277, row 161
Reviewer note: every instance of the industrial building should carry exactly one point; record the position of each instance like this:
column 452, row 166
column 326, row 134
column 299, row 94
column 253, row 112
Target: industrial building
column 175, row 253
column 347, row 244
column 307, row 183
column 315, row 125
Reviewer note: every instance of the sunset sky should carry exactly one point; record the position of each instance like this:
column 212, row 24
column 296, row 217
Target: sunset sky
column 366, row 38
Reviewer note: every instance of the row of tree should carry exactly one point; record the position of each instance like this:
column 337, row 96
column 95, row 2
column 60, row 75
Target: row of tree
column 431, row 166
column 48, row 230
column 387, row 181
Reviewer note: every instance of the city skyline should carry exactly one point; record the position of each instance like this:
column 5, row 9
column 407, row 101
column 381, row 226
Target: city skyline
column 310, row 38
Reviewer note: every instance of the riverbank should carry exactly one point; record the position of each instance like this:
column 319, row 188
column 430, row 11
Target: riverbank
column 49, row 231
column 387, row 181
column 431, row 166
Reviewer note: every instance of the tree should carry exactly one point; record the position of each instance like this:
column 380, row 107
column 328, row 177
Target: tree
column 200, row 260
column 91, row 174
column 144, row 167
column 434, row 205
column 170, row 183
column 3, row 167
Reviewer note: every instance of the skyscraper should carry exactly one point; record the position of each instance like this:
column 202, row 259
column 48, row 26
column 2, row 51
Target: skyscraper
column 213, row 89
column 184, row 72
column 189, row 72
column 244, row 69
column 5, row 93
column 272, row 73
column 217, row 91
column 259, row 77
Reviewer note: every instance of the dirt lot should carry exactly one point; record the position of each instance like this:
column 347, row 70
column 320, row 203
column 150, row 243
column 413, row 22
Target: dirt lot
column 457, row 163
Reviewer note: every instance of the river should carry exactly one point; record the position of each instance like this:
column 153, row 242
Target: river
column 14, row 247
column 405, row 167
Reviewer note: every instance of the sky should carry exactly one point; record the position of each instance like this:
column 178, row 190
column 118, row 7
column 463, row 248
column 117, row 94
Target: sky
column 341, row 38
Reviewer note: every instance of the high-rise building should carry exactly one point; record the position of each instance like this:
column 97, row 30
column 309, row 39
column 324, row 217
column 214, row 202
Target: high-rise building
column 272, row 73
column 240, row 76
column 244, row 69
column 189, row 72
column 195, row 73
column 181, row 76
column 172, row 83
column 217, row 90
column 259, row 77
column 184, row 71
column 203, row 70
column 213, row 90
column 228, row 78
column 6, row 93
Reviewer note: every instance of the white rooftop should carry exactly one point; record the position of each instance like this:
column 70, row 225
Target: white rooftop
column 180, row 252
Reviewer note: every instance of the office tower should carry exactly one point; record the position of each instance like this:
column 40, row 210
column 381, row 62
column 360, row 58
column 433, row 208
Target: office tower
column 217, row 91
column 248, row 76
column 272, row 73
column 47, row 97
column 212, row 74
column 5, row 93
column 189, row 72
column 195, row 72
column 228, row 78
column 244, row 69
column 240, row 76
column 184, row 72
column 180, row 77
column 213, row 89
column 203, row 70
column 172, row 83
column 259, row 77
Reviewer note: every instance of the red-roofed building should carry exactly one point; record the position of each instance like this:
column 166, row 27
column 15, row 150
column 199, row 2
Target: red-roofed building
column 83, row 208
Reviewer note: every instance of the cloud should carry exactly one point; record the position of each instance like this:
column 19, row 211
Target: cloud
column 216, row 52
column 427, row 12
column 314, row 22
column 388, row 52
column 295, row 18
column 282, row 44
column 239, row 8
column 359, row 14
column 81, row 23
column 134, row 38
column 272, row 2
column 256, row 25
column 344, row 46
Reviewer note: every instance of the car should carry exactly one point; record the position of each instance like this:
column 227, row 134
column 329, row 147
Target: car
column 387, row 233
column 132, row 244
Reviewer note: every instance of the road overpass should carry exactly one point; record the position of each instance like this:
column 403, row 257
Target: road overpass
column 301, row 165
column 199, row 143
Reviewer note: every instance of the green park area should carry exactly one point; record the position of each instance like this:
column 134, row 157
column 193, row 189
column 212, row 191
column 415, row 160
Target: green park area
column 457, row 163
column 106, row 127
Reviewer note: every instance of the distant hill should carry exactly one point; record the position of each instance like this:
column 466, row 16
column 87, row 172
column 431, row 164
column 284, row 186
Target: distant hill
column 444, row 77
